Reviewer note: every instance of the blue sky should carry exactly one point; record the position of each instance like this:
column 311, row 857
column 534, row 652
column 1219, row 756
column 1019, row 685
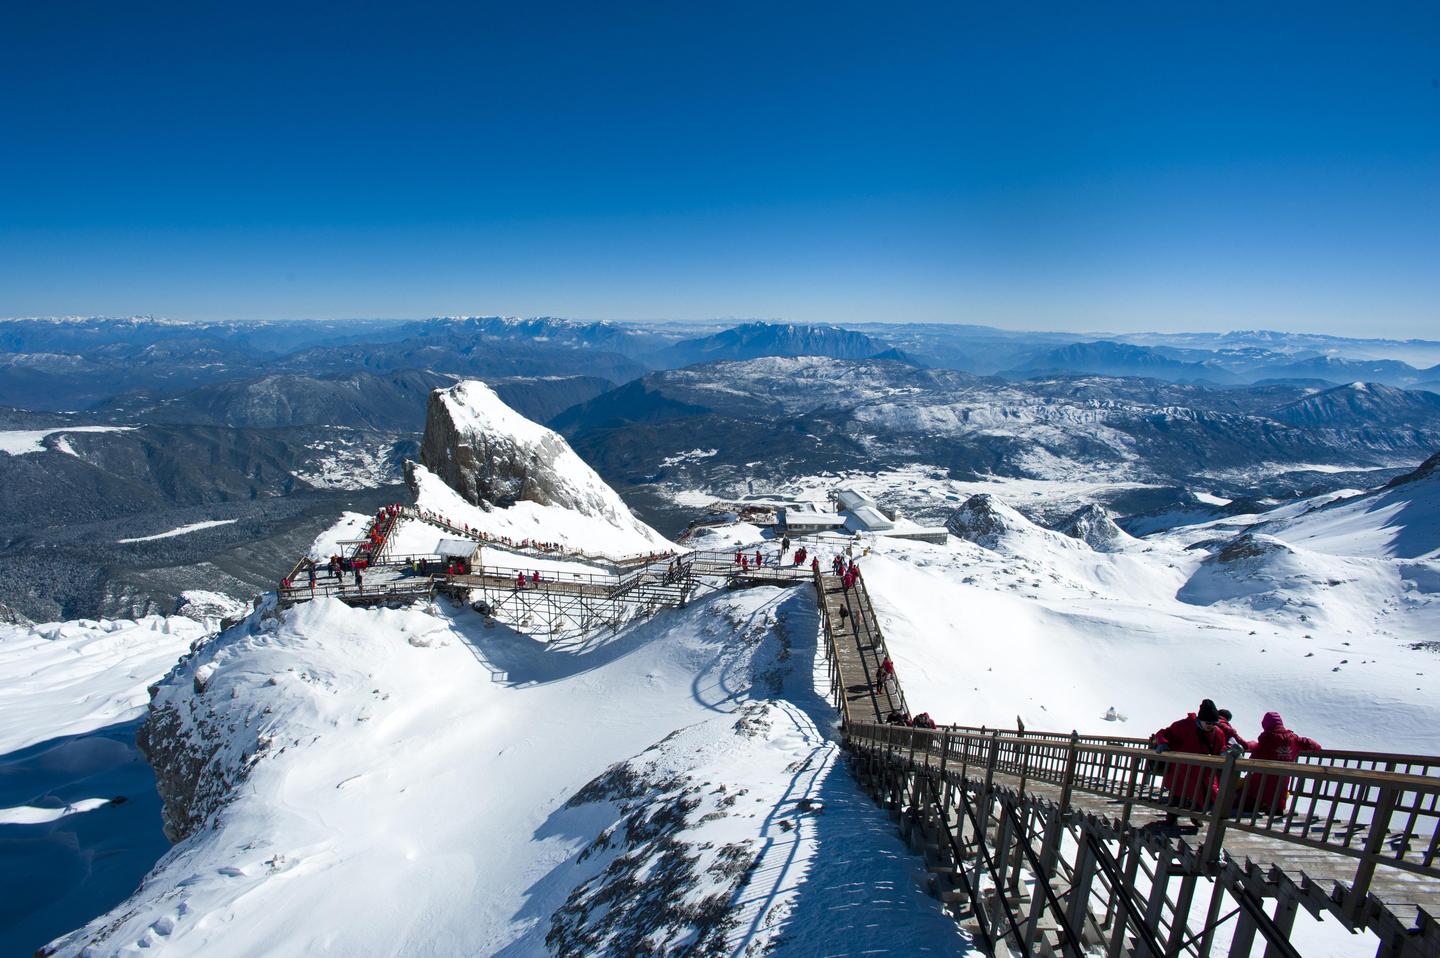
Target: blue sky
column 1156, row 166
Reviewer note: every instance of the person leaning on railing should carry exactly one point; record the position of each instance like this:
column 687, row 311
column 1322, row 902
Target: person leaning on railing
column 1198, row 733
column 1267, row 794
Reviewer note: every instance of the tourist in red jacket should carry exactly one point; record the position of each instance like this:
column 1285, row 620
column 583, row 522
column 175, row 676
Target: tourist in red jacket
column 1199, row 733
column 1266, row 794
column 1233, row 741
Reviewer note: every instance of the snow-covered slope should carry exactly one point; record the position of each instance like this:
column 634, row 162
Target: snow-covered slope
column 1399, row 520
column 1022, row 621
column 410, row 782
column 79, row 817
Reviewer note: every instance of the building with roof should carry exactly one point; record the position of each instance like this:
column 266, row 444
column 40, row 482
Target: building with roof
column 805, row 519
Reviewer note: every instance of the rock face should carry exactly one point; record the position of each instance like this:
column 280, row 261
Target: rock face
column 494, row 457
column 1092, row 525
column 984, row 520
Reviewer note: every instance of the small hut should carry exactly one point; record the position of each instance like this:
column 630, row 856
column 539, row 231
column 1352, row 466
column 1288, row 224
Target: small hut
column 458, row 555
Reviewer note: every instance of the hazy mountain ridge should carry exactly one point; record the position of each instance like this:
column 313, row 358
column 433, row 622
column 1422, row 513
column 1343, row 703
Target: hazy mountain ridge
column 754, row 340
column 843, row 414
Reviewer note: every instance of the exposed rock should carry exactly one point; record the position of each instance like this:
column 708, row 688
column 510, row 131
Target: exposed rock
column 203, row 606
column 494, row 457
column 1251, row 546
column 9, row 616
column 984, row 519
column 1092, row 525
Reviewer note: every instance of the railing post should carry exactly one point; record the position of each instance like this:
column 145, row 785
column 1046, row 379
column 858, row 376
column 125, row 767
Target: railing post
column 1374, row 842
column 1067, row 784
column 1224, row 798
column 990, row 762
column 1137, row 763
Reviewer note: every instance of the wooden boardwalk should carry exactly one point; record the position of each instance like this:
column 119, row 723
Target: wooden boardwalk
column 1059, row 792
column 860, row 649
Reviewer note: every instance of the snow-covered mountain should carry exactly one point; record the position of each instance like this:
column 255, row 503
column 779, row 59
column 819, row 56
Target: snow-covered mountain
column 492, row 457
column 1092, row 525
column 417, row 780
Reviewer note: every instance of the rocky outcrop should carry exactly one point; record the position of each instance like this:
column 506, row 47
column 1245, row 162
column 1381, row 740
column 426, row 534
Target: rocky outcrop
column 191, row 736
column 494, row 457
column 1092, row 525
column 984, row 520
column 1427, row 470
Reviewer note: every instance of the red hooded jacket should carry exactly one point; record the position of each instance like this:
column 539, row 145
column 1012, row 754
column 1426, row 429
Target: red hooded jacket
column 1189, row 786
column 1268, row 794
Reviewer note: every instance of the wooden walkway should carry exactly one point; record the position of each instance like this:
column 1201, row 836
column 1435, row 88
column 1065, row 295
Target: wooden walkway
column 1311, row 856
column 860, row 649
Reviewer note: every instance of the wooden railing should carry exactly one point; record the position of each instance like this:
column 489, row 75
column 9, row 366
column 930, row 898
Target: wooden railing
column 1377, row 817
column 1403, row 763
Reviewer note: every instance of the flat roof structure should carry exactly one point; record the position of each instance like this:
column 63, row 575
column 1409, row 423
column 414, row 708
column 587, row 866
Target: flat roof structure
column 869, row 518
column 851, row 499
column 457, row 548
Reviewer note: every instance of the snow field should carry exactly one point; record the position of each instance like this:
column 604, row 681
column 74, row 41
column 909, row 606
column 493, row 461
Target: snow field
column 20, row 442
column 69, row 678
column 414, row 766
column 71, row 695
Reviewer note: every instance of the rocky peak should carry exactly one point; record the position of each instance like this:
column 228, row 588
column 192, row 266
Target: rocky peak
column 494, row 457
column 1092, row 525
column 984, row 519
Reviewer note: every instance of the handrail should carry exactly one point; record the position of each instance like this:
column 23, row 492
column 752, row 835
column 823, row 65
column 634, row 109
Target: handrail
column 1412, row 764
column 1378, row 817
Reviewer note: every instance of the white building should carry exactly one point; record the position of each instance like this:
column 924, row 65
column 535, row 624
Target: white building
column 466, row 549
column 805, row 519
column 864, row 515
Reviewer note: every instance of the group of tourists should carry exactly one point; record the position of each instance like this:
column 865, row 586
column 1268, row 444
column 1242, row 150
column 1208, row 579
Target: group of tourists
column 899, row 718
column 1208, row 731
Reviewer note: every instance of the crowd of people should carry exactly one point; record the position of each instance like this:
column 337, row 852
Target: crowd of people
column 532, row 545
column 1208, row 731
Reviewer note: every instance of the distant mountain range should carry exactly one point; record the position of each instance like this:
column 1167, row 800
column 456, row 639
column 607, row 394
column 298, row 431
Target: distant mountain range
column 772, row 417
column 87, row 363
column 266, row 423
column 754, row 340
column 1108, row 358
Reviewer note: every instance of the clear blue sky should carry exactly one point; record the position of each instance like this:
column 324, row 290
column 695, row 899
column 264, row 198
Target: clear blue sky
column 1075, row 166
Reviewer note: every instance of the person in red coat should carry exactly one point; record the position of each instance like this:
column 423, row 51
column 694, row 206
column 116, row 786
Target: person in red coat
column 1233, row 741
column 1198, row 733
column 1267, row 794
